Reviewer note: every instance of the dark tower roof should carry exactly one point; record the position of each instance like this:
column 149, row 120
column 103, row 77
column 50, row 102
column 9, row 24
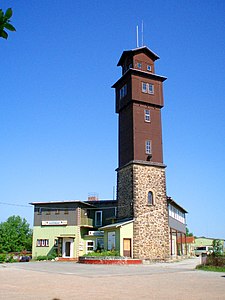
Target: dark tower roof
column 132, row 52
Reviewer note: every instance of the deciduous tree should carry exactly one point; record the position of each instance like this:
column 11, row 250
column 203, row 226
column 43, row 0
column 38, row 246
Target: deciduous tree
column 15, row 235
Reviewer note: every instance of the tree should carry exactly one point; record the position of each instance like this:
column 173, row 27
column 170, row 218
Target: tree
column 188, row 233
column 217, row 247
column 15, row 235
column 5, row 23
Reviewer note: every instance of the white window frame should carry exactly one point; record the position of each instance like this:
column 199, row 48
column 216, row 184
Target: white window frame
column 149, row 68
column 176, row 214
column 148, row 147
column 139, row 65
column 151, row 88
column 144, row 87
column 100, row 224
column 148, row 88
column 147, row 115
column 87, row 246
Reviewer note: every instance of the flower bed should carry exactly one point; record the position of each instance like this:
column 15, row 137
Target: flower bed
column 108, row 260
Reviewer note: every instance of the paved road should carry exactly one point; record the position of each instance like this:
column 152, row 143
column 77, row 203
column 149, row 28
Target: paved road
column 67, row 280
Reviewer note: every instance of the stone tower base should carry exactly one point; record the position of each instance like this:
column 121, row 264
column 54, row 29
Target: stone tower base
column 151, row 227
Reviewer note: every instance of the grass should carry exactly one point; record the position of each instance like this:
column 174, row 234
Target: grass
column 211, row 268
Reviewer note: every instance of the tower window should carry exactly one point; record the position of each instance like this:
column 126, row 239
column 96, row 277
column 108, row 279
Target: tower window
column 147, row 115
column 147, row 88
column 139, row 65
column 123, row 91
column 150, row 198
column 144, row 87
column 149, row 68
column 151, row 88
column 148, row 147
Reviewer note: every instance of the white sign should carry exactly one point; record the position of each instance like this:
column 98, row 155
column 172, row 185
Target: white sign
column 96, row 233
column 52, row 223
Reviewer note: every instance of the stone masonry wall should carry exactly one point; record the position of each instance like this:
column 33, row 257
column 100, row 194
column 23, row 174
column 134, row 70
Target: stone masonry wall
column 151, row 228
column 125, row 192
column 151, row 225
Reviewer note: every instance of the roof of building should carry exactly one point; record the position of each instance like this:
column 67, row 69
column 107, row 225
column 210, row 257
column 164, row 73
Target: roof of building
column 141, row 73
column 208, row 238
column 187, row 239
column 132, row 52
column 60, row 202
column 116, row 225
column 171, row 201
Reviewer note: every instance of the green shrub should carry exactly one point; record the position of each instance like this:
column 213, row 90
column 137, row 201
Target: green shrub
column 42, row 257
column 10, row 259
column 217, row 261
column 2, row 258
column 103, row 253
column 46, row 257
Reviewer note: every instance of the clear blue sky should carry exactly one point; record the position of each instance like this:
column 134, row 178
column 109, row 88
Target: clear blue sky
column 58, row 127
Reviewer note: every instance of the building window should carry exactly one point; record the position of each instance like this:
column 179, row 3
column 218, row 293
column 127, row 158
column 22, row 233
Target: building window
column 111, row 240
column 147, row 115
column 151, row 88
column 100, row 243
column 123, row 91
column 98, row 218
column 148, row 149
column 147, row 88
column 139, row 65
column 90, row 246
column 144, row 87
column 150, row 198
column 57, row 211
column 149, row 68
column 39, row 210
column 42, row 243
column 176, row 214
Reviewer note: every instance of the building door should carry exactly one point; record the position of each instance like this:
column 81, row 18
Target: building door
column 127, row 247
column 111, row 240
column 68, row 247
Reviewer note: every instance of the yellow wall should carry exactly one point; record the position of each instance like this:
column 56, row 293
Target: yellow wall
column 51, row 233
column 126, row 231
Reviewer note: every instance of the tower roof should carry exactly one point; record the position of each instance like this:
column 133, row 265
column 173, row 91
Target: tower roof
column 132, row 52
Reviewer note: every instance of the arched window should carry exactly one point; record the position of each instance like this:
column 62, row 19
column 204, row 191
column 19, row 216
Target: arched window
column 150, row 198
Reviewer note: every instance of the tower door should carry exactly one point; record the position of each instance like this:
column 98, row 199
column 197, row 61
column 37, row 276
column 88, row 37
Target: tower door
column 127, row 247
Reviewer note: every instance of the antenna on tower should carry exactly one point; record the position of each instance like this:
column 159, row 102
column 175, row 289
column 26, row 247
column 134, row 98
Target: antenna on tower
column 137, row 36
column 142, row 33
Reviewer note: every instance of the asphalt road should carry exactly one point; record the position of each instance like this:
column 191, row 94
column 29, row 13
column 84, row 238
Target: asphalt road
column 69, row 280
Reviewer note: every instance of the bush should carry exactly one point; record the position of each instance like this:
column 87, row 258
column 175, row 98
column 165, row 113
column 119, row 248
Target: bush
column 46, row 257
column 217, row 261
column 42, row 257
column 2, row 258
column 103, row 253
column 8, row 258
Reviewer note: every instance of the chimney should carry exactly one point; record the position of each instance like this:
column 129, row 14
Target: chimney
column 92, row 197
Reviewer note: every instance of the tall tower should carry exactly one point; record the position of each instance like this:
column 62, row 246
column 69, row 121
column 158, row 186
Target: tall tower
column 141, row 183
